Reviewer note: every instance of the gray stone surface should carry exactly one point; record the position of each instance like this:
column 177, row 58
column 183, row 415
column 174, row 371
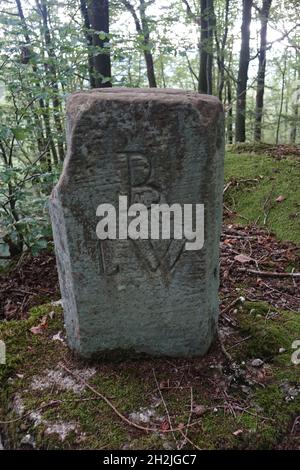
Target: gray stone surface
column 154, row 146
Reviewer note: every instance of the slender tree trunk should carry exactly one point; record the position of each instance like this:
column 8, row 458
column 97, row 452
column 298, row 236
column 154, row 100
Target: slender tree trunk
column 192, row 73
column 162, row 70
column 240, row 119
column 129, row 71
column 281, row 100
column 221, row 53
column 295, row 104
column 229, row 114
column 293, row 134
column 147, row 44
column 52, row 77
column 140, row 71
column 206, row 47
column 264, row 17
column 98, row 13
column 89, row 41
column 15, row 246
column 41, row 139
column 202, row 83
column 142, row 28
column 46, row 113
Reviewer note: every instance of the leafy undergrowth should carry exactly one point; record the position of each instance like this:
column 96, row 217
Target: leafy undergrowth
column 236, row 404
column 264, row 190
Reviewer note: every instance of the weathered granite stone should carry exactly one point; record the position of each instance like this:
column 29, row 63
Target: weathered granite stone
column 146, row 296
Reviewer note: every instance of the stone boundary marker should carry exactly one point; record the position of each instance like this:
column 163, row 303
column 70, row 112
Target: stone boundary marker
column 151, row 296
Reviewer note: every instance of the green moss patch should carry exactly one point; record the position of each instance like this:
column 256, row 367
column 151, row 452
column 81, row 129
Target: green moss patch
column 256, row 181
column 269, row 330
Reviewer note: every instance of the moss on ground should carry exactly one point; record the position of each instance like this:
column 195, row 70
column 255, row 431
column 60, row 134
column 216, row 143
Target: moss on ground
column 270, row 334
column 257, row 181
column 268, row 330
column 264, row 419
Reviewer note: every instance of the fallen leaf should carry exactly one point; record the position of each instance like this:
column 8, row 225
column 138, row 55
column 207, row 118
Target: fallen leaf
column 199, row 410
column 164, row 384
column 165, row 426
column 51, row 314
column 10, row 309
column 242, row 258
column 237, row 432
column 280, row 198
column 57, row 337
column 39, row 329
column 257, row 362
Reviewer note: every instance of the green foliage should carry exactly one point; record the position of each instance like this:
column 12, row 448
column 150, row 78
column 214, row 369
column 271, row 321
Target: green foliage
column 24, row 205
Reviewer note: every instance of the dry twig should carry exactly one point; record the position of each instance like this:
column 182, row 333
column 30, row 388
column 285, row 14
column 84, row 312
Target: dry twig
column 224, row 351
column 189, row 421
column 268, row 273
column 115, row 410
column 166, row 408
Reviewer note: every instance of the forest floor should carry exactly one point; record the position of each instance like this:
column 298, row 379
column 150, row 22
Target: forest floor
column 244, row 394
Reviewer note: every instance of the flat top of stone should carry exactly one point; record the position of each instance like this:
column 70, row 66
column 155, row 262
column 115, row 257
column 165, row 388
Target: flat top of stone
column 160, row 94
column 80, row 101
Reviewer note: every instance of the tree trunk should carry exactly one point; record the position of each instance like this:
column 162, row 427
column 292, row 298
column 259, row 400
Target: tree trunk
column 229, row 114
column 295, row 103
column 264, row 17
column 98, row 13
column 142, row 28
column 47, row 123
column 146, row 43
column 240, row 119
column 41, row 139
column 281, row 100
column 162, row 71
column 221, row 53
column 89, row 41
column 15, row 246
column 52, row 77
column 206, row 47
column 293, row 134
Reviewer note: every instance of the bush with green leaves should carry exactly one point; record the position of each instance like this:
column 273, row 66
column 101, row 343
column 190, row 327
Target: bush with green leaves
column 24, row 217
